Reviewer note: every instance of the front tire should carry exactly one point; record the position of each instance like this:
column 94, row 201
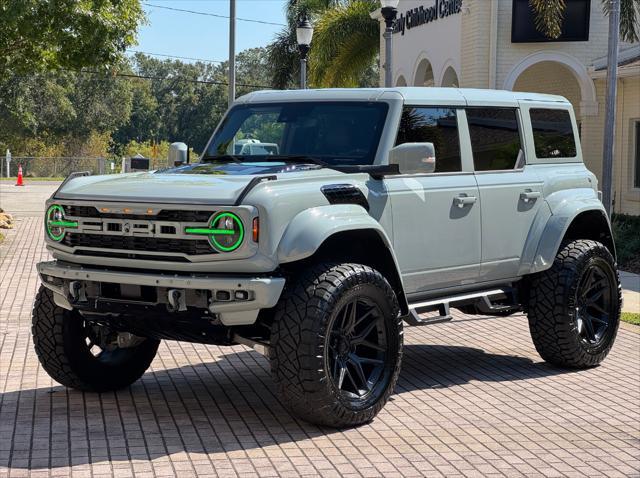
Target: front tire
column 336, row 344
column 574, row 307
column 65, row 345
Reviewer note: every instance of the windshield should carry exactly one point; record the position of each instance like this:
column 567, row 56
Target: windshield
column 333, row 133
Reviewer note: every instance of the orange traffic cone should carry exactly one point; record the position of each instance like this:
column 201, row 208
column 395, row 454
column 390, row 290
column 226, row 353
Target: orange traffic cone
column 19, row 182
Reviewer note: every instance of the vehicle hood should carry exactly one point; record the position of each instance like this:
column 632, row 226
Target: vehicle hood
column 191, row 184
column 156, row 188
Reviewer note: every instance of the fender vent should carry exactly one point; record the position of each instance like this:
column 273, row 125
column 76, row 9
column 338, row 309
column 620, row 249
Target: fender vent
column 345, row 194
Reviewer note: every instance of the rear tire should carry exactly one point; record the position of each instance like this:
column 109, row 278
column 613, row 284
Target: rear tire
column 574, row 307
column 60, row 341
column 336, row 344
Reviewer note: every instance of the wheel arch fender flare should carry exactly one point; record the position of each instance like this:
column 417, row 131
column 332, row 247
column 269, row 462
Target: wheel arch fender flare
column 316, row 227
column 581, row 218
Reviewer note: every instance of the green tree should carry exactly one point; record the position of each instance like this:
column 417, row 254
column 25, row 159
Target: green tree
column 63, row 108
column 40, row 35
column 179, row 101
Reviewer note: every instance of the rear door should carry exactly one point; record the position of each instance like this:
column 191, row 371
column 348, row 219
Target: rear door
column 436, row 217
column 510, row 192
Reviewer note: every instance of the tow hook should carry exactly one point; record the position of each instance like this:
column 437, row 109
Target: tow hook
column 176, row 301
column 77, row 292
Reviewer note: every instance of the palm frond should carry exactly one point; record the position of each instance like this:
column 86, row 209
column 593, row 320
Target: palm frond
column 349, row 64
column 345, row 43
column 283, row 59
column 548, row 16
column 629, row 18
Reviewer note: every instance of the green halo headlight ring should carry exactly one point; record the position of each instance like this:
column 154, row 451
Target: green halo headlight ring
column 240, row 232
column 215, row 232
column 56, row 224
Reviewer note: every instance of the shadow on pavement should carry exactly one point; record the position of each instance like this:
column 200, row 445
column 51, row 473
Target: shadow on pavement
column 214, row 407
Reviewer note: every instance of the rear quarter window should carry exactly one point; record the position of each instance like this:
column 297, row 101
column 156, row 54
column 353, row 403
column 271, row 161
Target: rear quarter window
column 552, row 133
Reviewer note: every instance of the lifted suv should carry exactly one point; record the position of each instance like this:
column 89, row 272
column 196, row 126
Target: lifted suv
column 315, row 224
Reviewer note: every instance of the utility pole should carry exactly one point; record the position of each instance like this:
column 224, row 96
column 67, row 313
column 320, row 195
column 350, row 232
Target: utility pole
column 232, row 51
column 610, row 118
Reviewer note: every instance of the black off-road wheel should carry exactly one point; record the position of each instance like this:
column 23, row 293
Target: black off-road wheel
column 74, row 353
column 574, row 307
column 336, row 344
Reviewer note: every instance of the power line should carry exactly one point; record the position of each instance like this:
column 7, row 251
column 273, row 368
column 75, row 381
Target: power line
column 159, row 78
column 188, row 80
column 175, row 56
column 208, row 14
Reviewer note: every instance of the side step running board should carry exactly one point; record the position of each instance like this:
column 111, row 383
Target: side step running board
column 442, row 305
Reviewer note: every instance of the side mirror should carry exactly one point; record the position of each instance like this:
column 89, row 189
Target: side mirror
column 414, row 158
column 178, row 154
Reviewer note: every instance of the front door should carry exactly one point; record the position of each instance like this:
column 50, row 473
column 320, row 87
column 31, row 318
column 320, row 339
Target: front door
column 436, row 217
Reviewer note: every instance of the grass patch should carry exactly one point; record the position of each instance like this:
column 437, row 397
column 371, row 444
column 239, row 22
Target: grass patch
column 631, row 318
column 626, row 232
column 1, row 238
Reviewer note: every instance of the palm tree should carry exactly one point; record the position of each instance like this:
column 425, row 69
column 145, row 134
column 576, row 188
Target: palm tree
column 284, row 59
column 550, row 13
column 346, row 38
column 347, row 44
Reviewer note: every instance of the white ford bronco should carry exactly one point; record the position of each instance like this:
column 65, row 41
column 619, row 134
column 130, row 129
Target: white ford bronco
column 315, row 224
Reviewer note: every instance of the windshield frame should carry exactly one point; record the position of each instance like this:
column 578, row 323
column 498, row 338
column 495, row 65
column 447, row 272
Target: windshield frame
column 370, row 159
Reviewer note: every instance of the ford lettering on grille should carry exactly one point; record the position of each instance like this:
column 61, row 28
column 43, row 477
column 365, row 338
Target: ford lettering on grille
column 131, row 227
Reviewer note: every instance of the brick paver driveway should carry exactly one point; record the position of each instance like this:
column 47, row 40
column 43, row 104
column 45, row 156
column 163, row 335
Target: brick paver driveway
column 473, row 399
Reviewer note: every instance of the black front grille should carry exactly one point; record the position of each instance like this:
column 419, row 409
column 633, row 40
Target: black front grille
column 139, row 243
column 174, row 215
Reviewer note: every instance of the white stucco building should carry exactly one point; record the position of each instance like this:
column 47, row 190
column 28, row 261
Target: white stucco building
column 493, row 44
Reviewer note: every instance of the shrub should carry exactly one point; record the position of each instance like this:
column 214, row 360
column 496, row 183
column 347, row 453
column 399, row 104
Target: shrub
column 626, row 231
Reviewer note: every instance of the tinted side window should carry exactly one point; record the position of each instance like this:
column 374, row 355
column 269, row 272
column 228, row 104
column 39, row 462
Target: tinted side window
column 552, row 133
column 433, row 125
column 495, row 138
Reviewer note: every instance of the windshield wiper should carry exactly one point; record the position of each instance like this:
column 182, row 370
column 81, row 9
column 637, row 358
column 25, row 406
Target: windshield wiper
column 225, row 158
column 268, row 158
column 298, row 159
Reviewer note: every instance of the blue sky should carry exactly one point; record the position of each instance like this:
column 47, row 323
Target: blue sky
column 206, row 37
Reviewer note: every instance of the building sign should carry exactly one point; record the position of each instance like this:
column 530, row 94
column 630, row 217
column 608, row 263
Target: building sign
column 426, row 14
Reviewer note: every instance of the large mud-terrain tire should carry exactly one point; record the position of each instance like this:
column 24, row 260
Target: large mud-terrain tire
column 60, row 341
column 336, row 344
column 574, row 307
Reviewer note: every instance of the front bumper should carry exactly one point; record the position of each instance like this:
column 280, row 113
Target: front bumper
column 256, row 292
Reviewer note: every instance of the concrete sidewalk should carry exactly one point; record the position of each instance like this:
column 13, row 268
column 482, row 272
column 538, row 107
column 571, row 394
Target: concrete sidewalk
column 28, row 200
column 630, row 292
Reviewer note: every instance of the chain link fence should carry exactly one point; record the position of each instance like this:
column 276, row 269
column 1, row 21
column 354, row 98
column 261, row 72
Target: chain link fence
column 55, row 167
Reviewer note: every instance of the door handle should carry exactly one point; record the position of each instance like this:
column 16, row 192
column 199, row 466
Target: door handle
column 529, row 195
column 462, row 201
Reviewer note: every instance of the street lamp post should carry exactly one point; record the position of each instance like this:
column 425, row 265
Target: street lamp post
column 389, row 12
column 304, row 34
